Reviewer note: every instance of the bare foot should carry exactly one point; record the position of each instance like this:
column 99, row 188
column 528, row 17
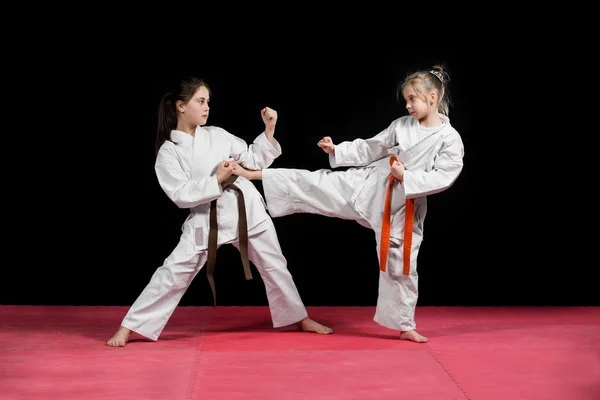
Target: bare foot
column 120, row 338
column 413, row 336
column 308, row 325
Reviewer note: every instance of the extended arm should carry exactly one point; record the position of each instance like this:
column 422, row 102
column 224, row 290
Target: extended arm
column 359, row 152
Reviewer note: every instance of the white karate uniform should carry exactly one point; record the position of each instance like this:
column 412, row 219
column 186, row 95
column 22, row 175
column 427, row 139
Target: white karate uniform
column 433, row 159
column 186, row 170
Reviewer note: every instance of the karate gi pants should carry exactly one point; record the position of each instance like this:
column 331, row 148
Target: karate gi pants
column 154, row 306
column 329, row 193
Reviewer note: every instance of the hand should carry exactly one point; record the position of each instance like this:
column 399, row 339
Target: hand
column 249, row 174
column 269, row 117
column 240, row 171
column 327, row 145
column 398, row 170
column 225, row 169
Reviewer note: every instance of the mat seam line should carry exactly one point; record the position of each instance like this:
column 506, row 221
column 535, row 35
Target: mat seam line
column 195, row 368
column 447, row 371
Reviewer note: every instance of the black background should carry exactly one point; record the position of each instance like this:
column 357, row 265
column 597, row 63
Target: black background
column 89, row 223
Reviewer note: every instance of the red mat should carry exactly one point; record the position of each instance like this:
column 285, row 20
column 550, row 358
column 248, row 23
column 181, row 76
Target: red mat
column 477, row 353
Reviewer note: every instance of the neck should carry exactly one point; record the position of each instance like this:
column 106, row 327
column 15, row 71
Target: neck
column 189, row 129
column 430, row 121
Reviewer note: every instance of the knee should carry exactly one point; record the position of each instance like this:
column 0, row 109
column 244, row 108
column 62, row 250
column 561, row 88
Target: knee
column 175, row 278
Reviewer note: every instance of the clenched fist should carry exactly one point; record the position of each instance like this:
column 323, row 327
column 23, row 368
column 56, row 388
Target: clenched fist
column 225, row 169
column 398, row 170
column 269, row 117
column 327, row 145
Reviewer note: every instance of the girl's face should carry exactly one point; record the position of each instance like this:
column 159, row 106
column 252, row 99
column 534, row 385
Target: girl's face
column 195, row 111
column 418, row 107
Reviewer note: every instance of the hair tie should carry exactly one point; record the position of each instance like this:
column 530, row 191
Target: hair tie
column 437, row 75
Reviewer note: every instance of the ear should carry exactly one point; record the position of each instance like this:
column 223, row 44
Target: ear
column 432, row 98
column 180, row 106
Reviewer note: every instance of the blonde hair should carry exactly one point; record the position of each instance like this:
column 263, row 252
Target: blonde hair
column 435, row 79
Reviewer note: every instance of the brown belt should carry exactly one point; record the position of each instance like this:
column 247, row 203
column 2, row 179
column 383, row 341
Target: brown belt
column 214, row 232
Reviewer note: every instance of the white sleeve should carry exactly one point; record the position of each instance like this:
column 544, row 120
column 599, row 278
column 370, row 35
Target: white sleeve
column 361, row 152
column 185, row 193
column 258, row 155
column 448, row 165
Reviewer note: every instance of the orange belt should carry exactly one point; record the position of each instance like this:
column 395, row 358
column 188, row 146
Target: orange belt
column 385, row 228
